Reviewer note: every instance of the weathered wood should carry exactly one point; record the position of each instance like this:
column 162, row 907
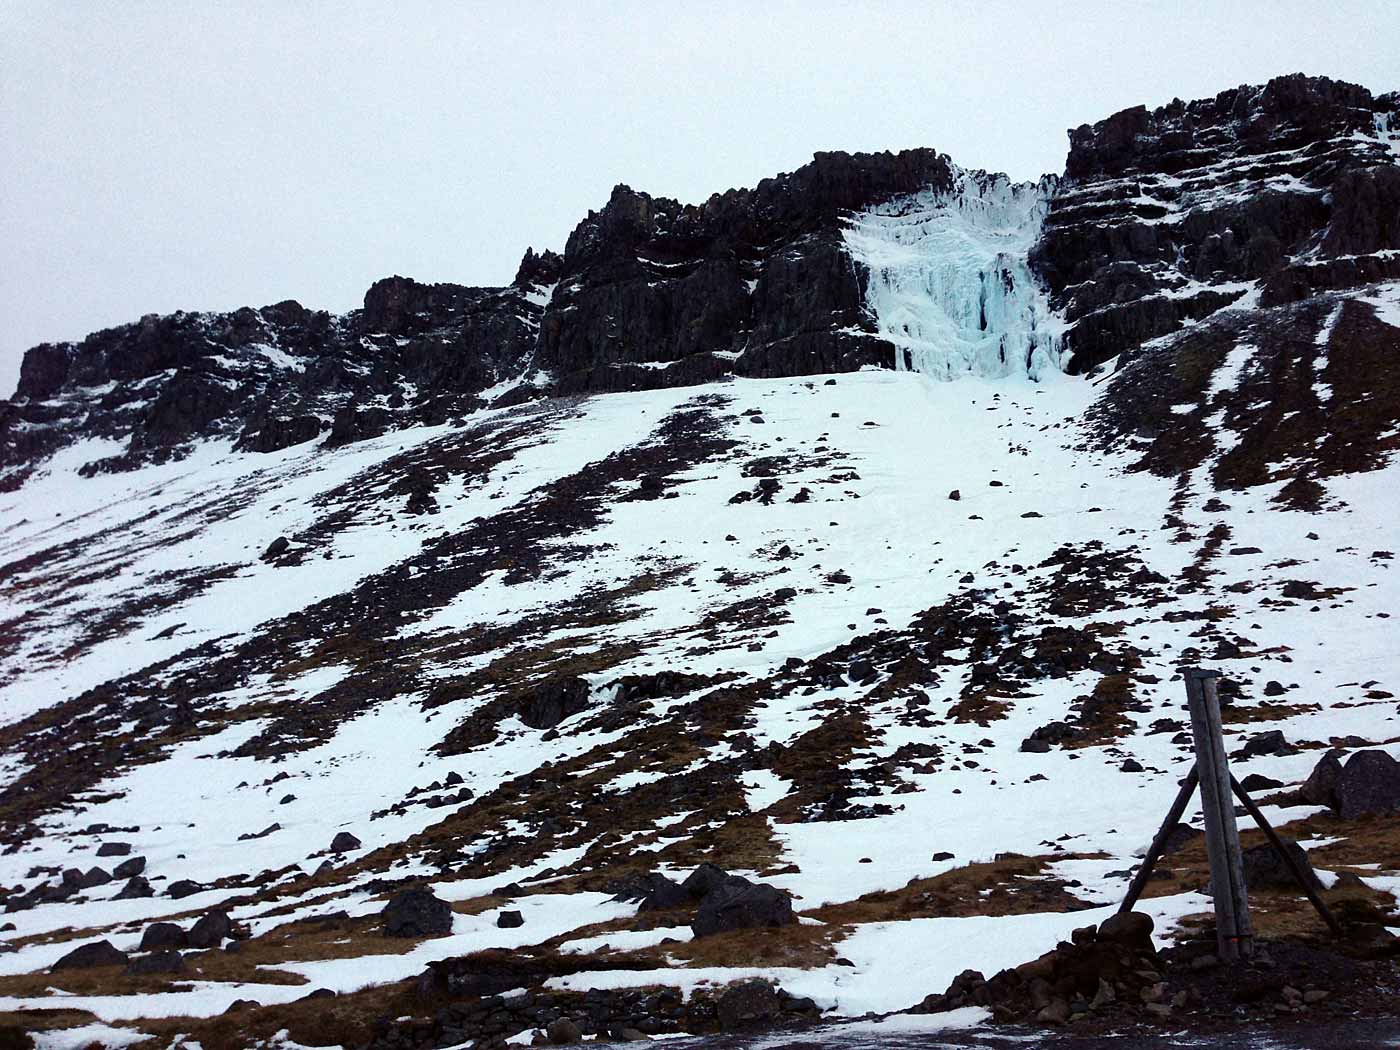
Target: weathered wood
column 1298, row 873
column 1154, row 851
column 1234, row 934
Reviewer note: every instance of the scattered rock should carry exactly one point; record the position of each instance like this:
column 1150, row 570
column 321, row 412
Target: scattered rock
column 509, row 920
column 344, row 842
column 89, row 956
column 129, row 869
column 157, row 962
column 747, row 1004
column 163, row 935
column 211, row 930
column 114, row 849
column 417, row 913
column 183, row 888
column 1369, row 784
column 562, row 1031
column 749, row 907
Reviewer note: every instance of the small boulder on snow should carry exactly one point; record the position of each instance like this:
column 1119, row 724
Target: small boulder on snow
column 211, row 930
column 163, row 935
column 344, row 842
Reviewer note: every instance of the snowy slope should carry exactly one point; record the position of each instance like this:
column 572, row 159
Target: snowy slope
column 801, row 541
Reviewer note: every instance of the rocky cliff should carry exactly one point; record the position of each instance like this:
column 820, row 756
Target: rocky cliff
column 1162, row 217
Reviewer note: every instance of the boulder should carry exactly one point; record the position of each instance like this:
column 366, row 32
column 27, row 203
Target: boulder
column 135, row 888
column 417, row 913
column 552, row 701
column 93, row 878
column 562, row 1031
column 183, row 888
column 98, row 953
column 129, row 869
column 705, row 879
column 114, row 849
column 1264, row 868
column 157, row 962
column 162, row 935
column 1369, row 785
column 210, row 931
column 753, row 906
column 509, row 920
column 1270, row 743
column 747, row 1004
column 1132, row 929
column 344, row 842
column 1320, row 788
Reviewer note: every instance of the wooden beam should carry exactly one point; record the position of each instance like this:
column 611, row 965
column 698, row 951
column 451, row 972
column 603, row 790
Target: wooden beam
column 1298, row 873
column 1234, row 933
column 1159, row 841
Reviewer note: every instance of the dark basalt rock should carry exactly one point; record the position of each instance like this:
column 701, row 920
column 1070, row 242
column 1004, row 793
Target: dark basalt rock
column 1263, row 867
column 211, row 930
column 417, row 913
column 157, row 962
column 552, row 701
column 129, row 869
column 1369, row 785
column 89, row 956
column 344, row 842
column 161, row 936
column 755, row 906
column 1321, row 786
column 747, row 1004
column 1109, row 255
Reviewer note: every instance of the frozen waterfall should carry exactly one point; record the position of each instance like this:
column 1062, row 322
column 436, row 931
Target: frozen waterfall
column 949, row 284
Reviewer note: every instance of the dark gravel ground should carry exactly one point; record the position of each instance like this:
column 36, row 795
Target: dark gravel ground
column 1355, row 1034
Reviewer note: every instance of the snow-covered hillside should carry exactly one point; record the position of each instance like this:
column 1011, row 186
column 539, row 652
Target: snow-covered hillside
column 774, row 533
column 817, row 619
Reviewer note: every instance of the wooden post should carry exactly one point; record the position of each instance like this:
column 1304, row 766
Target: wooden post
column 1154, row 851
column 1234, row 934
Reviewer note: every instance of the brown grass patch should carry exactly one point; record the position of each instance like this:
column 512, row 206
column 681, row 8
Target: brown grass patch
column 1013, row 886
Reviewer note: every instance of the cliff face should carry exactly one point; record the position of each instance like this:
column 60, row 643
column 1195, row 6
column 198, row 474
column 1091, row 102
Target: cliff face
column 1167, row 216
column 1257, row 197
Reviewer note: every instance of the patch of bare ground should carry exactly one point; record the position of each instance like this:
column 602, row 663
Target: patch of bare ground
column 1010, row 885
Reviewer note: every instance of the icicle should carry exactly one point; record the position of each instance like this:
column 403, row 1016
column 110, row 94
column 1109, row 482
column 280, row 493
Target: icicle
column 949, row 284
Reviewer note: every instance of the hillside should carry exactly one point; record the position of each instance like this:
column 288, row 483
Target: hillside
column 848, row 533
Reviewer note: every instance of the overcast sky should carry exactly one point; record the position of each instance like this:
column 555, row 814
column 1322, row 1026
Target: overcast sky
column 206, row 156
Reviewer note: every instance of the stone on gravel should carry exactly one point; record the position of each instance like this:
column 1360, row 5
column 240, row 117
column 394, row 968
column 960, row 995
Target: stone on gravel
column 747, row 1004
column 1133, row 929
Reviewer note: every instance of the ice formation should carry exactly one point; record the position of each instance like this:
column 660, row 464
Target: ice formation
column 949, row 284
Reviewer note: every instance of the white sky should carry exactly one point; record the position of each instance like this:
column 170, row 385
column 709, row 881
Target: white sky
column 206, row 156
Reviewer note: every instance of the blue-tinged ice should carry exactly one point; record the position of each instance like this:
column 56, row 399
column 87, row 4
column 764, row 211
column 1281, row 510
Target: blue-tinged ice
column 949, row 283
